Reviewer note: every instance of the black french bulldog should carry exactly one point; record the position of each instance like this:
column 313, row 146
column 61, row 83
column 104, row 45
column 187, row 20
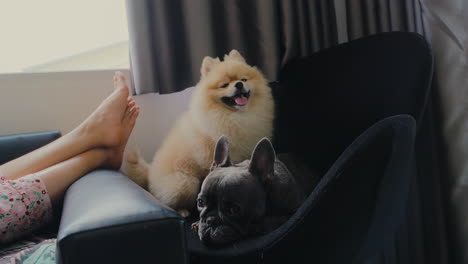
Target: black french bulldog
column 249, row 198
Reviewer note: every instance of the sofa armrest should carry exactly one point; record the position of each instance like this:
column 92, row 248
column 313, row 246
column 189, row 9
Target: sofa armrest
column 16, row 145
column 109, row 219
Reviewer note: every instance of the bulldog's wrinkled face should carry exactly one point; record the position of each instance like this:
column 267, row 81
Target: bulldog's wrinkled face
column 230, row 202
column 232, row 197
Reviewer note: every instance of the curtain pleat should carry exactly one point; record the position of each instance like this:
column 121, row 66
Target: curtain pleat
column 396, row 11
column 382, row 15
column 329, row 31
column 370, row 18
column 411, row 16
column 355, row 26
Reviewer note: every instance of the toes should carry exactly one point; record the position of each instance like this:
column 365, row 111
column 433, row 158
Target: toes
column 131, row 103
column 119, row 80
column 119, row 76
column 135, row 113
column 132, row 112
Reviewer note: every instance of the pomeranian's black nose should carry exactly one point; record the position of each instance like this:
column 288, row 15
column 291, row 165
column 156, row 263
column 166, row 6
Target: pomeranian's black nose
column 239, row 85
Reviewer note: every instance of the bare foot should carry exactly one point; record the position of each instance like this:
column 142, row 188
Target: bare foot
column 107, row 125
column 128, row 123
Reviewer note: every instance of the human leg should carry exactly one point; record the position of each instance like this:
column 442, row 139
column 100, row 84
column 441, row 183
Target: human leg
column 103, row 128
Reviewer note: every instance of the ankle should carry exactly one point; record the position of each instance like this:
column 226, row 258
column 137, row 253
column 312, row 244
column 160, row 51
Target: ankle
column 112, row 158
column 84, row 134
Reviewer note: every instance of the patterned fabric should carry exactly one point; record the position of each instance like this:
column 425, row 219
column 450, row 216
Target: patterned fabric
column 43, row 253
column 38, row 250
column 24, row 206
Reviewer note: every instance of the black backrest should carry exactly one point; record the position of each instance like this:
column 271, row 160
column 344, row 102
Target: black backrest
column 358, row 206
column 327, row 99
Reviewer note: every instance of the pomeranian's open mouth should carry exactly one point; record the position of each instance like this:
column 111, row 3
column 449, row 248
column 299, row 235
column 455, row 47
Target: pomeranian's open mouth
column 239, row 99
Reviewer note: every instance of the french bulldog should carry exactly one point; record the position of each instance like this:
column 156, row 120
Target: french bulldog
column 245, row 199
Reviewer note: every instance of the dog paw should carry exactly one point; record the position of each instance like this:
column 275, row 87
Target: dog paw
column 183, row 212
column 132, row 155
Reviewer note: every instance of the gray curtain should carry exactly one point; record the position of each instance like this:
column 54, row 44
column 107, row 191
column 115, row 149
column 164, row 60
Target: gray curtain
column 169, row 38
column 447, row 23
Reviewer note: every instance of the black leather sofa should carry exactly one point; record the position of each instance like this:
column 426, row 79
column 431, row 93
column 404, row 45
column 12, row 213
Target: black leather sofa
column 351, row 112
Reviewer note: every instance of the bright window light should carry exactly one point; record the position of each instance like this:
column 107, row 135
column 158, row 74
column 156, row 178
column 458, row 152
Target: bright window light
column 57, row 35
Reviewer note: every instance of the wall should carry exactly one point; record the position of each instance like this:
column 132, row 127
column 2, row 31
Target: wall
column 60, row 101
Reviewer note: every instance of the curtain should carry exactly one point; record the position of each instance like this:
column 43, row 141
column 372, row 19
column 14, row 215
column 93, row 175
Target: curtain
column 447, row 25
column 170, row 38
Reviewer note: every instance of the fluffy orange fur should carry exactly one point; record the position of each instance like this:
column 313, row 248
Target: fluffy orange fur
column 179, row 166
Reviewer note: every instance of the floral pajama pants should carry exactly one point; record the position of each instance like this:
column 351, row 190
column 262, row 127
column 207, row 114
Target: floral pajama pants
column 24, row 206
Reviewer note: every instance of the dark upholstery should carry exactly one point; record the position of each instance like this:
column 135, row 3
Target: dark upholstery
column 326, row 100
column 340, row 110
column 16, row 145
column 109, row 219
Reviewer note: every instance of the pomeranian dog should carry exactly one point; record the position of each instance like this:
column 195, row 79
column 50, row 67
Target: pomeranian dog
column 231, row 99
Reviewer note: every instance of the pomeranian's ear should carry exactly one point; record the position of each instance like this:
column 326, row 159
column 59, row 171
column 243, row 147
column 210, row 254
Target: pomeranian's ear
column 263, row 160
column 221, row 154
column 235, row 56
column 207, row 65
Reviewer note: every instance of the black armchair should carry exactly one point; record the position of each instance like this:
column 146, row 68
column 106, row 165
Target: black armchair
column 352, row 213
column 350, row 112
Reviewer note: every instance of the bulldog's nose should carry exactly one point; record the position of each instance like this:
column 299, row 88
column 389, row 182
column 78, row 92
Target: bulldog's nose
column 212, row 221
column 239, row 85
column 205, row 239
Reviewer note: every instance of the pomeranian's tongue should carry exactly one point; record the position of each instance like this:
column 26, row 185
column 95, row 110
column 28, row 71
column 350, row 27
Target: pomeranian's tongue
column 241, row 100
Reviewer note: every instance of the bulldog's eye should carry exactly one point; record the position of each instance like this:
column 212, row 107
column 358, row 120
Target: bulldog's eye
column 224, row 85
column 233, row 209
column 200, row 202
column 243, row 79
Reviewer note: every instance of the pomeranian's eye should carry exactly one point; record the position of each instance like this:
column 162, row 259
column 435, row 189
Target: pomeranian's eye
column 200, row 202
column 244, row 79
column 224, row 85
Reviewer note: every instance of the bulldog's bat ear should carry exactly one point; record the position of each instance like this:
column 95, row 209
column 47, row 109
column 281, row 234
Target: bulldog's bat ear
column 221, row 154
column 207, row 65
column 263, row 160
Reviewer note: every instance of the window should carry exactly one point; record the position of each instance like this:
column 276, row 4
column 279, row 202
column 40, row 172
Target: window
column 57, row 35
